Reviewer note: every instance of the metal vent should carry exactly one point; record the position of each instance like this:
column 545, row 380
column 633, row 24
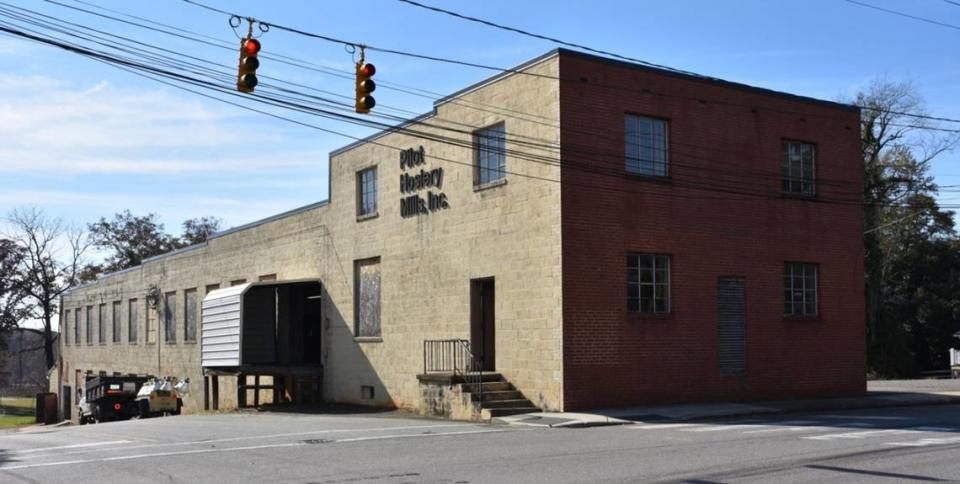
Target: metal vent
column 731, row 295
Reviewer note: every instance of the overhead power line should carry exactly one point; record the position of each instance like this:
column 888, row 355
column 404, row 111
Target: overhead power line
column 904, row 14
column 616, row 87
column 551, row 39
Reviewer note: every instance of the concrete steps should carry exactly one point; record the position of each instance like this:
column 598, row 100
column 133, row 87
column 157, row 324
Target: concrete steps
column 499, row 397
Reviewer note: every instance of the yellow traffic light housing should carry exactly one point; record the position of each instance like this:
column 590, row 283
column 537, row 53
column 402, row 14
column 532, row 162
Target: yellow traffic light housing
column 365, row 85
column 247, row 71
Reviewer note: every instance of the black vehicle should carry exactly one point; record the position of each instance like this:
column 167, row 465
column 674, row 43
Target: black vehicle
column 110, row 398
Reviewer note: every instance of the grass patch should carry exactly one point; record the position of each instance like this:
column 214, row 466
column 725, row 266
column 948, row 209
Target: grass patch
column 16, row 411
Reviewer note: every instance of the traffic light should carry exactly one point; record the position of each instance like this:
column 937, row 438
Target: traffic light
column 247, row 73
column 365, row 86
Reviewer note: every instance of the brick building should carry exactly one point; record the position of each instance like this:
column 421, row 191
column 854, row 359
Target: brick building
column 597, row 233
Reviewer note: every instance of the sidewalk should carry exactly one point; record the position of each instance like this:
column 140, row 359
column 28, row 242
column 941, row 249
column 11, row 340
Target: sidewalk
column 889, row 393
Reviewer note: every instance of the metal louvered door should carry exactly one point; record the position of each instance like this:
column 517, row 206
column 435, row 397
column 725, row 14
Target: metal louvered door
column 732, row 332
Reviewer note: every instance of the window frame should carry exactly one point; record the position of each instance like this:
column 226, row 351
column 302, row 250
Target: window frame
column 362, row 213
column 89, row 322
column 667, row 150
column 787, row 181
column 76, row 327
column 791, row 290
column 101, row 324
column 635, row 284
column 478, row 156
column 357, row 264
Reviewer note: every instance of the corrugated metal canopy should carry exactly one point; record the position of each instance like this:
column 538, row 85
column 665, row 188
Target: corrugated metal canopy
column 220, row 327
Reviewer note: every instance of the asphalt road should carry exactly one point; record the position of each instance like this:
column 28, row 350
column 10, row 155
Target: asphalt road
column 882, row 445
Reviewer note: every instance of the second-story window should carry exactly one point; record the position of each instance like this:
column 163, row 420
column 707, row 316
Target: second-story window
column 367, row 192
column 799, row 160
column 646, row 149
column 491, row 156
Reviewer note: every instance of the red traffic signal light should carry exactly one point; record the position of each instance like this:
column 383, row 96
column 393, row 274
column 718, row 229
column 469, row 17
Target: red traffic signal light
column 247, row 71
column 364, row 101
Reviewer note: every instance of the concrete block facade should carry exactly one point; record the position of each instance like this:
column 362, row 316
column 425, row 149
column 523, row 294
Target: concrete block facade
column 553, row 235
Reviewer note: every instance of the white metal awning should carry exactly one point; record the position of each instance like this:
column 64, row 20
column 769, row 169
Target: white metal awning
column 220, row 326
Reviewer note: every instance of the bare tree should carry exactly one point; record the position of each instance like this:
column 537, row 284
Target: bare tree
column 898, row 141
column 53, row 254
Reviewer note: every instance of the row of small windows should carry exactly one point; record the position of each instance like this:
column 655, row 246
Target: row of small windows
column 648, row 286
column 134, row 308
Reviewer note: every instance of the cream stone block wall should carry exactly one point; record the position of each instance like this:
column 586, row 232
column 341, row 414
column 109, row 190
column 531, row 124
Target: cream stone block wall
column 510, row 232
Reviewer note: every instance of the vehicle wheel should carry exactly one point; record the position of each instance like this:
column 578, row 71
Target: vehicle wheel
column 179, row 406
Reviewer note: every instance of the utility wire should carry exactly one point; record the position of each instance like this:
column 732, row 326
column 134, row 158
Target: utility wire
column 150, row 70
column 553, row 39
column 618, row 88
column 903, row 14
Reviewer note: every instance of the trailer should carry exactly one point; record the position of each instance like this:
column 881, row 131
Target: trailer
column 107, row 398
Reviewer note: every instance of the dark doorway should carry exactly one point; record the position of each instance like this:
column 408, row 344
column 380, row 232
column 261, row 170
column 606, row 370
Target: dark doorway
column 732, row 330
column 483, row 323
column 282, row 324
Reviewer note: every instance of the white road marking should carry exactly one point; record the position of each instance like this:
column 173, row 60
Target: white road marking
column 268, row 436
column 927, row 442
column 237, row 449
column 719, row 428
column 74, row 446
column 863, row 434
column 664, row 426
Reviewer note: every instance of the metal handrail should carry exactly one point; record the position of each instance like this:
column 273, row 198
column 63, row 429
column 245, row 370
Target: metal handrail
column 454, row 356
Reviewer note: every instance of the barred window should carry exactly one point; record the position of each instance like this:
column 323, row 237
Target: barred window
column 799, row 160
column 646, row 147
column 648, row 283
column 800, row 289
column 491, row 146
column 170, row 317
column 133, row 320
column 116, row 322
column 367, row 192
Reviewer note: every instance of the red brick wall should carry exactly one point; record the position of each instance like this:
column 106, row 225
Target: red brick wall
column 722, row 138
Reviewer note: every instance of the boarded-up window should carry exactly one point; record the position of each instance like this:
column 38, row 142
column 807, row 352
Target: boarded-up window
column 133, row 321
column 268, row 277
column 170, row 317
column 212, row 287
column 76, row 326
column 151, row 324
column 116, row 322
column 190, row 315
column 89, row 322
column 102, row 324
column 237, row 282
column 367, row 297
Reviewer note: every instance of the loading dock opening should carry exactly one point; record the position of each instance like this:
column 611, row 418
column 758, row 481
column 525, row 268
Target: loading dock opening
column 263, row 329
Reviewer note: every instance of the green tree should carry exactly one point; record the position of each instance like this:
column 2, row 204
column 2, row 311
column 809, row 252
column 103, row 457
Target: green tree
column 910, row 243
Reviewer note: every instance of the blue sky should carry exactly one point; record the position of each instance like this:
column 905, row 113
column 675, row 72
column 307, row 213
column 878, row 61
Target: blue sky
column 83, row 140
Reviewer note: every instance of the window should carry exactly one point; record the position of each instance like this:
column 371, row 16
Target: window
column 367, row 298
column 648, row 283
column 237, row 282
column 76, row 326
column 170, row 317
column 367, row 192
column 116, row 322
column 190, row 315
column 133, row 321
column 267, row 277
column 646, row 145
column 799, row 160
column 800, row 289
column 66, row 327
column 490, row 154
column 89, row 322
column 151, row 321
column 212, row 287
column 102, row 324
